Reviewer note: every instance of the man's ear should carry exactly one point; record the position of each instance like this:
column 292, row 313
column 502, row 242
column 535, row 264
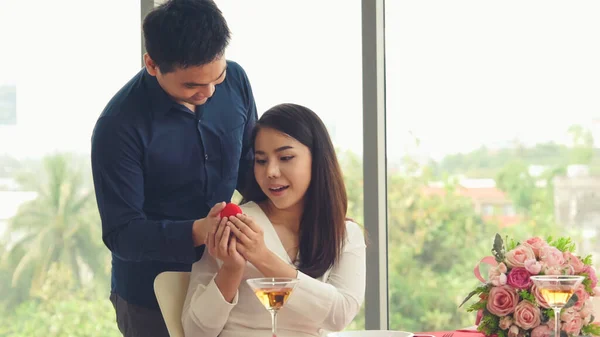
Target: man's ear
column 150, row 65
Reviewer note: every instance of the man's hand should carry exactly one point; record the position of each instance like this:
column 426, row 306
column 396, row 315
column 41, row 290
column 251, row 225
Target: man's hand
column 206, row 225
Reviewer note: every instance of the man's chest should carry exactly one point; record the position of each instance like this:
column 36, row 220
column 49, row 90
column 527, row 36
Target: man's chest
column 182, row 149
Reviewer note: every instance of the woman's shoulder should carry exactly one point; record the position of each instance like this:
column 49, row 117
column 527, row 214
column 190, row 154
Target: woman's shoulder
column 254, row 211
column 251, row 208
column 354, row 233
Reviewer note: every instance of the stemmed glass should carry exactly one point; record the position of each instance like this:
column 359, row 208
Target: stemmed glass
column 557, row 290
column 273, row 292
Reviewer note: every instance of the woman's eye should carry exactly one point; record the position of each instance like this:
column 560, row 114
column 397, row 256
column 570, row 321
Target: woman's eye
column 260, row 161
column 286, row 158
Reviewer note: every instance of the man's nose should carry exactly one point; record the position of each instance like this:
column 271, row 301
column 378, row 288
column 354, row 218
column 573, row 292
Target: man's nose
column 207, row 91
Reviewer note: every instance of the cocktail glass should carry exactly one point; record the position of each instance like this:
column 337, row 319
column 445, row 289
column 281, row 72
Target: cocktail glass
column 557, row 290
column 273, row 292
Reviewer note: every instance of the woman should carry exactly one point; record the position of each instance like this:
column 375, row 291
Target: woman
column 294, row 225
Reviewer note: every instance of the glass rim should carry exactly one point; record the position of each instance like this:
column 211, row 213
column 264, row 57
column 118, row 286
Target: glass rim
column 273, row 280
column 556, row 277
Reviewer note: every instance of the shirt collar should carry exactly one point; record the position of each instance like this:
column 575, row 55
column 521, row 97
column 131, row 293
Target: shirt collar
column 161, row 102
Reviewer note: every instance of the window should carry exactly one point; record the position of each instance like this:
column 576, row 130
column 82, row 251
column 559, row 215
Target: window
column 60, row 63
column 293, row 53
column 470, row 90
column 487, row 210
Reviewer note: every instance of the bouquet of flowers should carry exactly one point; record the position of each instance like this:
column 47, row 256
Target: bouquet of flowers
column 509, row 303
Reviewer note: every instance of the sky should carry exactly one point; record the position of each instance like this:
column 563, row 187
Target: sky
column 459, row 74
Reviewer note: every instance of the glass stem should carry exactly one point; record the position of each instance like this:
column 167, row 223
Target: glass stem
column 556, row 320
column 274, row 322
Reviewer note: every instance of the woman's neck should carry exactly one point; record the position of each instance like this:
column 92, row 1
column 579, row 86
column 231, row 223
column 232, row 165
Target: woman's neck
column 289, row 217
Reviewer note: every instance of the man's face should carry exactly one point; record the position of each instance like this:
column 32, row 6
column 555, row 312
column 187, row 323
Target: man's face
column 190, row 86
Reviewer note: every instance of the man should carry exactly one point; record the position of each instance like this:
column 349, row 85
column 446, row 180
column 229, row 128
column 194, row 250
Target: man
column 167, row 151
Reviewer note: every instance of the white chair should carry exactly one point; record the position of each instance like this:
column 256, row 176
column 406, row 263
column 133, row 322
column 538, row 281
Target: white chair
column 170, row 288
column 371, row 333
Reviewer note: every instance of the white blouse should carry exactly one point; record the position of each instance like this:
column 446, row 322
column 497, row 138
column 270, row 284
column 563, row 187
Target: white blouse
column 316, row 306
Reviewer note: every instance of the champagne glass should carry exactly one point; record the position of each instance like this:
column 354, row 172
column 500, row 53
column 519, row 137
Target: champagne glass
column 273, row 292
column 557, row 290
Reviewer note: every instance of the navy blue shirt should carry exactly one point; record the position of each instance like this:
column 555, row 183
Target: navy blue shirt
column 158, row 167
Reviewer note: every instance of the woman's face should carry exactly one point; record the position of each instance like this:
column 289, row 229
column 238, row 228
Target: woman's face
column 282, row 167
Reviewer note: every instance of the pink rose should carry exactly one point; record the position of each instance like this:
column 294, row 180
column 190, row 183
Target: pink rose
column 497, row 270
column 567, row 315
column 538, row 297
column 582, row 296
column 553, row 270
column 499, row 280
column 527, row 316
column 574, row 262
column 502, row 300
column 591, row 273
column 505, row 322
column 533, row 266
column 596, row 291
column 497, row 275
column 550, row 323
column 517, row 256
column 536, row 244
column 573, row 327
column 513, row 331
column 587, row 312
column 552, row 257
column 519, row 278
column 542, row 331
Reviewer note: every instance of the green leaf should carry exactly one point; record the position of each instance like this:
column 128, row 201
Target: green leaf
column 587, row 260
column 477, row 290
column 489, row 324
column 587, row 284
column 477, row 306
column 563, row 244
column 498, row 249
column 512, row 244
column 591, row 329
column 526, row 295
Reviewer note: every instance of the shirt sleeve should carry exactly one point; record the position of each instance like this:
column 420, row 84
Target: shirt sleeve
column 247, row 157
column 205, row 310
column 333, row 304
column 117, row 153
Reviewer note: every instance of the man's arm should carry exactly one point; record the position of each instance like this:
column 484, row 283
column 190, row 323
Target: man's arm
column 247, row 157
column 117, row 153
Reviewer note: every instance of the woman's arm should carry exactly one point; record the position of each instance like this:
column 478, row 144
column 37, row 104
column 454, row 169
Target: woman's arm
column 213, row 290
column 333, row 304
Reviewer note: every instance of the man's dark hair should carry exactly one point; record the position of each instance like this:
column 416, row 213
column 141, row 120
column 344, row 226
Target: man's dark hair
column 184, row 33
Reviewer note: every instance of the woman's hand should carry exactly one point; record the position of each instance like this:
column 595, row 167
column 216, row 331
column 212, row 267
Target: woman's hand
column 250, row 236
column 223, row 246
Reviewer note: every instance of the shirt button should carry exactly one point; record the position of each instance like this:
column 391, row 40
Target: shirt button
column 206, row 156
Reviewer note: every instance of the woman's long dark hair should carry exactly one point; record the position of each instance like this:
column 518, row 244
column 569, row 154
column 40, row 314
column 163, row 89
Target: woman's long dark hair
column 323, row 223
